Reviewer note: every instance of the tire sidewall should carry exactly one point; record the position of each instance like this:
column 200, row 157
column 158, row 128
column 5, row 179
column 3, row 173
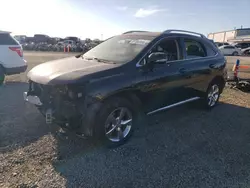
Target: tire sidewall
column 107, row 107
column 235, row 54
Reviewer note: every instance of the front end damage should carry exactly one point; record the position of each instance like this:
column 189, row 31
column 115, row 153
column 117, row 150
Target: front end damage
column 66, row 106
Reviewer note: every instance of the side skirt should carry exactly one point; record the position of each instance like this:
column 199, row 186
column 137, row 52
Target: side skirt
column 173, row 105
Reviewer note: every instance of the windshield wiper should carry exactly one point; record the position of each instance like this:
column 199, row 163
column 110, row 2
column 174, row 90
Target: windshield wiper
column 98, row 59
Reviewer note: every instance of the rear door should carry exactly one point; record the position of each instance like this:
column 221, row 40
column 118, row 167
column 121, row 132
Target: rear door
column 11, row 52
column 201, row 62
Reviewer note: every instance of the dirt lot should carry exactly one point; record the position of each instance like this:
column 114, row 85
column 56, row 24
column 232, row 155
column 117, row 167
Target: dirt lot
column 183, row 147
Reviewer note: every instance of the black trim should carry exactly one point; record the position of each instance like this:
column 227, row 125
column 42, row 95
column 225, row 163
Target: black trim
column 15, row 70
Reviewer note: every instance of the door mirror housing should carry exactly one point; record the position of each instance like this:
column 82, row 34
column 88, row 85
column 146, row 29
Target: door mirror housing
column 157, row 57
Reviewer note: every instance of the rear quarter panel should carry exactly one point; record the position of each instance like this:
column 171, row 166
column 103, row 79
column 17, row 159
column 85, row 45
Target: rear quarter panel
column 10, row 59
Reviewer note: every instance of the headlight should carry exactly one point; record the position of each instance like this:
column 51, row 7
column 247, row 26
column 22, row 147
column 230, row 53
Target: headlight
column 74, row 93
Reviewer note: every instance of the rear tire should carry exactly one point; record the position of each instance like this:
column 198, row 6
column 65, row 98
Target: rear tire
column 115, row 122
column 246, row 53
column 2, row 75
column 213, row 94
column 235, row 54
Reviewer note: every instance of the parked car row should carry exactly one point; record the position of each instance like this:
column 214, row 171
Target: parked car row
column 42, row 42
column 230, row 50
column 59, row 47
column 234, row 49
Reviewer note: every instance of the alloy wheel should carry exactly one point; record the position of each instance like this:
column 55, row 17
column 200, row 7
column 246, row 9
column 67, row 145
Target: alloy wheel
column 118, row 124
column 213, row 95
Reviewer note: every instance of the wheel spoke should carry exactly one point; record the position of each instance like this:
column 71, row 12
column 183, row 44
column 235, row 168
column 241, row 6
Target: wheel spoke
column 121, row 115
column 111, row 121
column 126, row 122
column 213, row 101
column 120, row 133
column 209, row 101
column 111, row 130
column 216, row 91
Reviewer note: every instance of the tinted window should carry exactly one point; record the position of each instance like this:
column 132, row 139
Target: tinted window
column 210, row 49
column 120, row 49
column 194, row 49
column 6, row 39
column 243, row 45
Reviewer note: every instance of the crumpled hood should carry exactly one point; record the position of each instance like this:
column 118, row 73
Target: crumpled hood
column 66, row 70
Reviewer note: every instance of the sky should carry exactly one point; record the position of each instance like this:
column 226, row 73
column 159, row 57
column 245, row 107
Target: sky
column 105, row 18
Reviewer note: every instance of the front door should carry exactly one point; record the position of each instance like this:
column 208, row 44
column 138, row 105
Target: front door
column 165, row 81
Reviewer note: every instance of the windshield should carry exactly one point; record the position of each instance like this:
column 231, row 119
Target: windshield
column 119, row 49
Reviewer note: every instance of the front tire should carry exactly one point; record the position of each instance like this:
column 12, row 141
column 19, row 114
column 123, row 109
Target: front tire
column 115, row 122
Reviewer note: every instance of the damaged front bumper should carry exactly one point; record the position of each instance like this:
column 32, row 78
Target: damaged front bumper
column 32, row 99
column 74, row 115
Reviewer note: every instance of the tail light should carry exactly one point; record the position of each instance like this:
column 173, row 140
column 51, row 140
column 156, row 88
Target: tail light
column 18, row 50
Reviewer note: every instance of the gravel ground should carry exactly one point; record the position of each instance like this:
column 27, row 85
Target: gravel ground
column 183, row 147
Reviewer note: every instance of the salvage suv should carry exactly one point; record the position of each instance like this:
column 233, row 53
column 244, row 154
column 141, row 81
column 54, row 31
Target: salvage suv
column 102, row 92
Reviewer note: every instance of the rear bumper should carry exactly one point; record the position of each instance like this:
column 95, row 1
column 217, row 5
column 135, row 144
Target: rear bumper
column 15, row 70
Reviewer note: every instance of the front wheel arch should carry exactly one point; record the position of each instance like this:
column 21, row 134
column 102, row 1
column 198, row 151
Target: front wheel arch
column 220, row 80
column 131, row 96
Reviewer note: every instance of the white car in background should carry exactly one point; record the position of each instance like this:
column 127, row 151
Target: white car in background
column 246, row 51
column 11, row 56
column 230, row 50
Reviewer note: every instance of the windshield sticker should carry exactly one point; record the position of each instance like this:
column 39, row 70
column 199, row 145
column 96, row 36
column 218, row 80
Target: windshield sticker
column 133, row 41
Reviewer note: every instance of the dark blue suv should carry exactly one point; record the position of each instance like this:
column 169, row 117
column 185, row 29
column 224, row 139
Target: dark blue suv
column 103, row 92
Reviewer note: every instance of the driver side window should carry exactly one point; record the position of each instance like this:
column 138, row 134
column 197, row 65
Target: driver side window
column 169, row 47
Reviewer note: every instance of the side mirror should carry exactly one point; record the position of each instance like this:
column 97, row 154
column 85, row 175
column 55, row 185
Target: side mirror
column 157, row 57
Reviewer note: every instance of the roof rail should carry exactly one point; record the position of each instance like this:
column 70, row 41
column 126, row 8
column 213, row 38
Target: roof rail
column 183, row 31
column 133, row 32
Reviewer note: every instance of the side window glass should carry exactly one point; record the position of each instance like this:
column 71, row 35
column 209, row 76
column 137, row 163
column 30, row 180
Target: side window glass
column 210, row 50
column 169, row 47
column 6, row 39
column 194, row 49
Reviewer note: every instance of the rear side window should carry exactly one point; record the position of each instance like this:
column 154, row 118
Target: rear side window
column 6, row 39
column 194, row 49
